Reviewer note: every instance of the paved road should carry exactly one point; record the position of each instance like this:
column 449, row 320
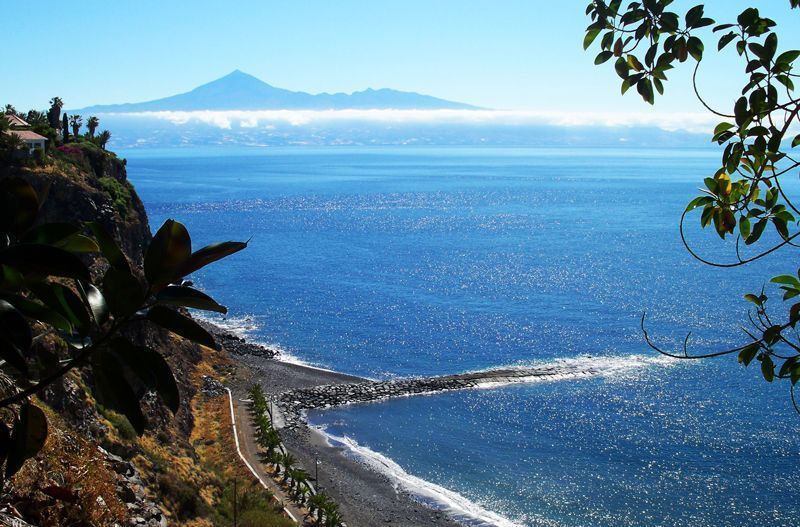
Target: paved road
column 249, row 449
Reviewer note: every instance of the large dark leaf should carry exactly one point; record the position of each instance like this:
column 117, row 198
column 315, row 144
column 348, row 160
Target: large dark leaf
column 151, row 368
column 50, row 233
column 15, row 336
column 62, row 235
column 178, row 295
column 123, row 292
column 35, row 310
column 45, row 260
column 108, row 247
column 64, row 301
column 167, row 254
column 98, row 306
column 209, row 254
column 113, row 391
column 19, row 205
column 28, row 437
column 185, row 327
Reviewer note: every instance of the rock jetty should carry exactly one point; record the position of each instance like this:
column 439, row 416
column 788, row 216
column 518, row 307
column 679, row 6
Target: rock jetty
column 292, row 403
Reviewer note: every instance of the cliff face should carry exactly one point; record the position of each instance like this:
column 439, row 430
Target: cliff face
column 103, row 474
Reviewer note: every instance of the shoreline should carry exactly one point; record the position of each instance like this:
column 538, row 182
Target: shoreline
column 366, row 498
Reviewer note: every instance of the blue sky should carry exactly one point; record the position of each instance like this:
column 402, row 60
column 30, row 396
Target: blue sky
column 504, row 54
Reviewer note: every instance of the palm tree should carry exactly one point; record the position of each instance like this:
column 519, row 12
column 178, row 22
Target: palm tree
column 299, row 481
column 103, row 138
column 92, row 123
column 36, row 118
column 334, row 519
column 75, row 121
column 11, row 143
column 332, row 516
column 288, row 461
column 315, row 504
column 272, row 440
column 54, row 112
column 10, row 109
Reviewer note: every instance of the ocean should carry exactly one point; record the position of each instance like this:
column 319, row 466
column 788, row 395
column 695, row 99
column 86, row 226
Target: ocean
column 403, row 261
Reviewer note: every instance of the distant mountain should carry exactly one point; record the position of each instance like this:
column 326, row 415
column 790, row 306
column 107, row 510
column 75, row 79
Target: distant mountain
column 240, row 91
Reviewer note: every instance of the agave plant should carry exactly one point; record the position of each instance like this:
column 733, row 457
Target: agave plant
column 46, row 287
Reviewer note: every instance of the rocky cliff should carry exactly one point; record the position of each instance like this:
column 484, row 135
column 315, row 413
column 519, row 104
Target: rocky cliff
column 94, row 470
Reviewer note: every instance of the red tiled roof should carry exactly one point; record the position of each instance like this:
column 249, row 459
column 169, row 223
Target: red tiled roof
column 15, row 121
column 27, row 135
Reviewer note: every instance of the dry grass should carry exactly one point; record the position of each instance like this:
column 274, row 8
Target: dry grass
column 68, row 461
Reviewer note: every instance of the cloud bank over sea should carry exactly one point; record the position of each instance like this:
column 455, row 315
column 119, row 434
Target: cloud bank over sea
column 695, row 123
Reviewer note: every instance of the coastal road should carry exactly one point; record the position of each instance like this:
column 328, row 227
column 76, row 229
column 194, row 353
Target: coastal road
column 248, row 450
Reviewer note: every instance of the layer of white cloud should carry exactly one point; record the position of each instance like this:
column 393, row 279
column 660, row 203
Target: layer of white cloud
column 688, row 122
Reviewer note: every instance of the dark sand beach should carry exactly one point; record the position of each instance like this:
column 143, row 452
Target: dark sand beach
column 366, row 498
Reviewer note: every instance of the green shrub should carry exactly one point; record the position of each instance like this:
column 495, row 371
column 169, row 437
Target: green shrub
column 262, row 518
column 120, row 194
column 183, row 497
column 119, row 422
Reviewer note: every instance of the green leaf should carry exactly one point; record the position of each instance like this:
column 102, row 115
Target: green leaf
column 64, row 301
column 744, row 227
column 112, row 390
column 603, row 57
column 173, row 321
column 167, row 254
column 725, row 40
column 786, row 279
column 40, row 312
column 721, row 127
column 15, row 336
column 772, row 334
column 27, row 438
column 794, row 314
column 209, row 254
column 757, row 230
column 108, row 247
column 589, row 38
column 44, row 260
column 98, row 306
column 767, row 368
column 177, row 295
column 695, row 48
column 748, row 353
column 151, row 368
column 753, row 298
column 699, row 202
column 122, row 291
column 50, row 233
column 622, row 68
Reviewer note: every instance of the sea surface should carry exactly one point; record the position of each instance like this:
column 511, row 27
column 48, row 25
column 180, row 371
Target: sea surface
column 408, row 261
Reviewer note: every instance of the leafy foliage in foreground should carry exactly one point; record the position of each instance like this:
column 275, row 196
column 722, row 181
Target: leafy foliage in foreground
column 45, row 288
column 745, row 197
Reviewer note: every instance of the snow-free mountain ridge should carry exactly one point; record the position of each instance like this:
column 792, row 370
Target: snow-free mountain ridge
column 241, row 91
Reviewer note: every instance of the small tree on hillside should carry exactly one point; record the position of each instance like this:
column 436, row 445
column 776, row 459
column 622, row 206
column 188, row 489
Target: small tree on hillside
column 91, row 124
column 53, row 114
column 76, row 122
column 65, row 128
column 103, row 138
